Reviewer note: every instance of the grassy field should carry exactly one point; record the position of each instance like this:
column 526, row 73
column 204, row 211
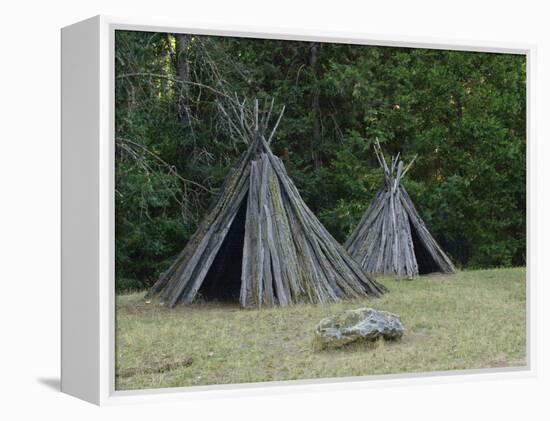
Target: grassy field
column 474, row 319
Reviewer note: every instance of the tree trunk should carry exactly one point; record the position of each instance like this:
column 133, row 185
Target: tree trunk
column 182, row 70
column 315, row 107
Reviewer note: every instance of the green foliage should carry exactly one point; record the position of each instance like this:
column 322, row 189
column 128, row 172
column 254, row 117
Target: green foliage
column 463, row 113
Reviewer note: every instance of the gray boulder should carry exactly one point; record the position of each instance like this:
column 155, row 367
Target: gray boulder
column 366, row 324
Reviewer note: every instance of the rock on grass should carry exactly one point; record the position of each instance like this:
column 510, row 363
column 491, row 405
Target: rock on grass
column 362, row 324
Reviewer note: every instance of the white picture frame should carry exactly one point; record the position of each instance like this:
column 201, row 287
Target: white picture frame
column 88, row 312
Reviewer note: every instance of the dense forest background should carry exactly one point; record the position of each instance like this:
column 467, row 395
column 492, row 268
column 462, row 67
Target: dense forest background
column 463, row 113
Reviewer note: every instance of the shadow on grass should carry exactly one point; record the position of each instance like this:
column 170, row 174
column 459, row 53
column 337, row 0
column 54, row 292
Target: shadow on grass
column 356, row 346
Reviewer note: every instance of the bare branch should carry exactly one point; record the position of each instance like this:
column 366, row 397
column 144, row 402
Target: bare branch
column 171, row 168
column 408, row 166
column 276, row 125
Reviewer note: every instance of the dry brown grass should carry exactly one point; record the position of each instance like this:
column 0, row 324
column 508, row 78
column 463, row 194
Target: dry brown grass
column 475, row 319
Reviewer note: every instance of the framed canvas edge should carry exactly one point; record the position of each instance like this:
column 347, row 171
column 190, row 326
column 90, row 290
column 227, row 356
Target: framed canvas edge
column 107, row 394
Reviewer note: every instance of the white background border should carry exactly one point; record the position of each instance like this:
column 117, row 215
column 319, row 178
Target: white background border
column 30, row 222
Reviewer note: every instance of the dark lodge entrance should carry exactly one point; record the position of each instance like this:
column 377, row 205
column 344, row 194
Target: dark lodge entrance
column 223, row 280
column 424, row 260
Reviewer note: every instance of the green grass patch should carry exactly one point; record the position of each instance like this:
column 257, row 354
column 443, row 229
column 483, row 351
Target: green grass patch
column 474, row 319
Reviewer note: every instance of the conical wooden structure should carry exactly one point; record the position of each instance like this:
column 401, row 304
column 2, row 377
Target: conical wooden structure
column 391, row 237
column 259, row 243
